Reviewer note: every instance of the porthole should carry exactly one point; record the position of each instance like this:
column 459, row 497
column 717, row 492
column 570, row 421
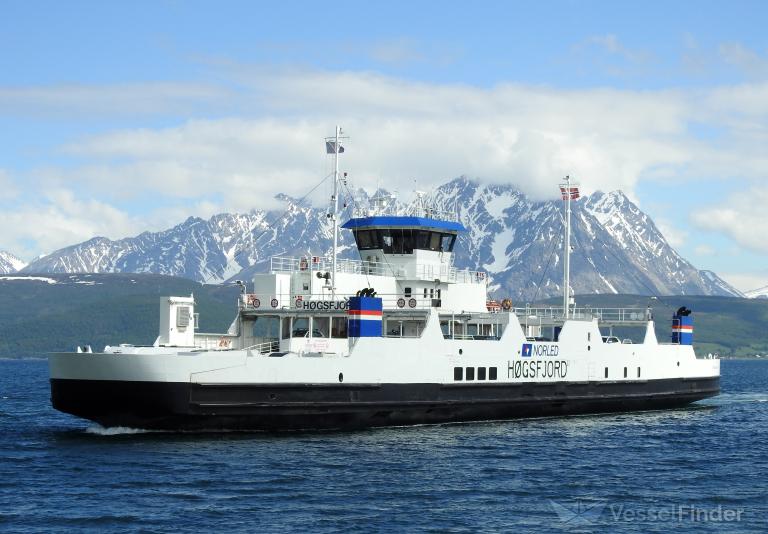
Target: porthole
column 341, row 377
column 461, row 351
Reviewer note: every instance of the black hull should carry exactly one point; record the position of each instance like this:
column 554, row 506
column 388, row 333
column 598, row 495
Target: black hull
column 214, row 407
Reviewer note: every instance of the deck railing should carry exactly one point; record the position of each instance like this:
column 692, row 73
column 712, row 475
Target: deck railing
column 422, row 271
column 614, row 315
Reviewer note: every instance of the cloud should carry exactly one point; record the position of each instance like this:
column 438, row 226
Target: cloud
column 527, row 135
column 746, row 281
column 76, row 100
column 742, row 217
column 398, row 51
column 530, row 136
column 610, row 43
column 8, row 189
column 705, row 250
column 751, row 63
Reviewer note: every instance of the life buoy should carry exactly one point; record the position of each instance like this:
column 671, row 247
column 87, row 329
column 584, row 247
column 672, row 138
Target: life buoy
column 254, row 301
column 506, row 304
column 401, row 302
column 299, row 300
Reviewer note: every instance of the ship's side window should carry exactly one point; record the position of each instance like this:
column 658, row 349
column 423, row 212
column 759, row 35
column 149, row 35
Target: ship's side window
column 407, row 292
column 481, row 373
column 300, row 327
column 438, row 293
column 606, row 372
column 339, row 327
column 470, row 373
column 638, row 372
column 457, row 373
column 491, row 373
column 286, row 330
column 425, row 292
column 625, row 372
column 266, row 326
column 321, row 326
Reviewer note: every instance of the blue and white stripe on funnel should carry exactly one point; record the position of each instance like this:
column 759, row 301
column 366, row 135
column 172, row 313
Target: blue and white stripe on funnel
column 365, row 315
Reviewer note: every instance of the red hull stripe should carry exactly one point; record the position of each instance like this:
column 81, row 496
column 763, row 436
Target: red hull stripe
column 365, row 312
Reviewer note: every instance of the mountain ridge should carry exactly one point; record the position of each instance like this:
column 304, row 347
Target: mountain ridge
column 617, row 247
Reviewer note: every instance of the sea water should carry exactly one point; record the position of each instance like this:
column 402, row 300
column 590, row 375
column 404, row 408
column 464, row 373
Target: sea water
column 698, row 469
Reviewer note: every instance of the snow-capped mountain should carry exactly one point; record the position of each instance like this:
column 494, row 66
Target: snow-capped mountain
column 617, row 248
column 759, row 293
column 9, row 263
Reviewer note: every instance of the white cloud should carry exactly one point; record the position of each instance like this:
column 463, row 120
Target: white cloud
column 705, row 250
column 8, row 189
column 742, row 217
column 746, row 281
column 750, row 62
column 527, row 135
column 112, row 100
column 530, row 136
column 672, row 233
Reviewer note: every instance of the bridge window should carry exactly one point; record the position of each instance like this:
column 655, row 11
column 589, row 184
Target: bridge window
column 434, row 241
column 407, row 292
column 367, row 239
column 446, row 244
column 404, row 240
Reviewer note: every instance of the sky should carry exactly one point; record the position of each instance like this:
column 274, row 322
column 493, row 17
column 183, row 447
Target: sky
column 117, row 118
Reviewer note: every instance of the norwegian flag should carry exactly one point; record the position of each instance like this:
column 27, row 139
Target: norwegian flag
column 572, row 192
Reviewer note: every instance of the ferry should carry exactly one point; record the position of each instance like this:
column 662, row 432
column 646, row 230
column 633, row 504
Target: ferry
column 399, row 336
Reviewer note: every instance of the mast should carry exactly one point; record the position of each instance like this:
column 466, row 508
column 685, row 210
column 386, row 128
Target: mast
column 335, row 201
column 566, row 190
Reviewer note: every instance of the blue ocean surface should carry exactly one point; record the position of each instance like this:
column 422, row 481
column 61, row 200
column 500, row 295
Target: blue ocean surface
column 699, row 469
